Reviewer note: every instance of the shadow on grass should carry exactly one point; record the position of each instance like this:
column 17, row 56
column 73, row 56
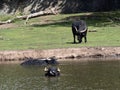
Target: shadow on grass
column 54, row 23
column 73, row 43
column 96, row 19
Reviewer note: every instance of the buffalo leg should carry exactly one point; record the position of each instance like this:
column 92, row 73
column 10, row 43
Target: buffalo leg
column 85, row 39
column 74, row 38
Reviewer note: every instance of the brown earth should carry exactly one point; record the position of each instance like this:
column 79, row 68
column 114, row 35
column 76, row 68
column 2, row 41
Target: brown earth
column 10, row 25
column 62, row 54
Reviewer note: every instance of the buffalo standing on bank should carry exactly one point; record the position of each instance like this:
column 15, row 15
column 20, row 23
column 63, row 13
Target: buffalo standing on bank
column 79, row 29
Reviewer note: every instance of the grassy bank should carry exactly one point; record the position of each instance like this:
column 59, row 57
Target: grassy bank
column 52, row 31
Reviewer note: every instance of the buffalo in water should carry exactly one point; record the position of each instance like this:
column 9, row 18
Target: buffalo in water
column 39, row 62
column 79, row 29
column 52, row 71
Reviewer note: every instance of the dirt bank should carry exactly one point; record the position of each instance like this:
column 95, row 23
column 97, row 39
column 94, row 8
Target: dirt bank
column 65, row 53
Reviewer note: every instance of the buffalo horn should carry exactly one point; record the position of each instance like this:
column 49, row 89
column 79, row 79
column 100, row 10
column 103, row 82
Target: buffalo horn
column 46, row 69
column 76, row 29
column 83, row 30
column 58, row 69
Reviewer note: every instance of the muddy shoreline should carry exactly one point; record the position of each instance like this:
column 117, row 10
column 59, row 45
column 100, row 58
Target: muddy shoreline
column 61, row 54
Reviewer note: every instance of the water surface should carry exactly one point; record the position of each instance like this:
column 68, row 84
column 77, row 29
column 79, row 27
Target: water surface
column 90, row 75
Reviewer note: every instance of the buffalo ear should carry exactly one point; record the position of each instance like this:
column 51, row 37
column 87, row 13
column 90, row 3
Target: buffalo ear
column 45, row 69
column 58, row 69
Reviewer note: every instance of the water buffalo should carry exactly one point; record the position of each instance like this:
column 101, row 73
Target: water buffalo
column 79, row 29
column 39, row 62
column 52, row 71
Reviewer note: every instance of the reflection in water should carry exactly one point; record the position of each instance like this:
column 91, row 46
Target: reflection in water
column 51, row 83
column 91, row 75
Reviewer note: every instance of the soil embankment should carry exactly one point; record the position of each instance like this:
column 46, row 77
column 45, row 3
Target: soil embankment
column 65, row 53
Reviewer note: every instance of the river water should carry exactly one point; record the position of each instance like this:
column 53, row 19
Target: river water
column 89, row 75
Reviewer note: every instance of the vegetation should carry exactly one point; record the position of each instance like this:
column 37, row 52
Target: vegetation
column 62, row 6
column 54, row 31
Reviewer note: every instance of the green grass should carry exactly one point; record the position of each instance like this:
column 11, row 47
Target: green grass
column 56, row 32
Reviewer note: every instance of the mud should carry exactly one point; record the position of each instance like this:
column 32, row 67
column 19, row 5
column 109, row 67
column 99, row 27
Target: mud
column 61, row 54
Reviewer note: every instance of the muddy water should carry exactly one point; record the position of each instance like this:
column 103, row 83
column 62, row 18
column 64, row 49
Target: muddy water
column 89, row 75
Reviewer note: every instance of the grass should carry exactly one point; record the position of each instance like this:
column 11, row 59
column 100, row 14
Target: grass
column 47, row 32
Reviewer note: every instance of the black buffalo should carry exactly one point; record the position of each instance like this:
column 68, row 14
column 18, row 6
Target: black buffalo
column 79, row 29
column 52, row 71
column 39, row 62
